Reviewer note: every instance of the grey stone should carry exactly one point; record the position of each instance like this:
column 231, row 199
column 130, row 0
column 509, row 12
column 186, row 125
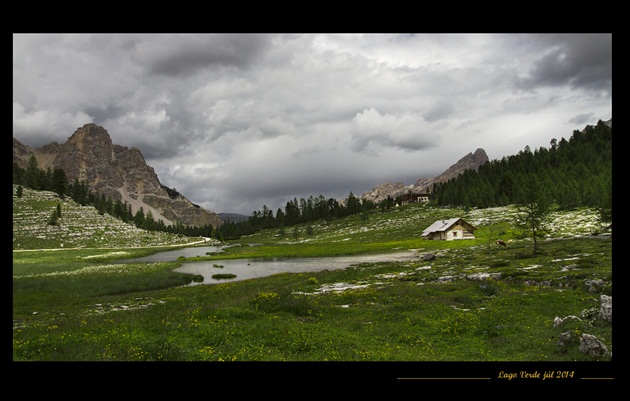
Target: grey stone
column 591, row 346
column 605, row 310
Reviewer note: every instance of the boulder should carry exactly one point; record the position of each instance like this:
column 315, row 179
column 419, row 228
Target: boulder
column 591, row 346
column 605, row 309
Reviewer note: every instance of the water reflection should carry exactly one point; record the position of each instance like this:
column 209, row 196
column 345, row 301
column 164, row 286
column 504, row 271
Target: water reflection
column 255, row 268
column 171, row 256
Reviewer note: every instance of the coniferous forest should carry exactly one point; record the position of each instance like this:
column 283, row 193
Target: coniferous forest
column 570, row 173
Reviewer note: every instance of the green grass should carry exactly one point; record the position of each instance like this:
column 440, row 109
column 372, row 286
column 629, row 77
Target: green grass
column 474, row 302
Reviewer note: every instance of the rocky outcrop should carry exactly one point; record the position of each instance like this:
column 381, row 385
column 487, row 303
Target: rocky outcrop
column 425, row 185
column 605, row 311
column 472, row 161
column 382, row 191
column 587, row 343
column 592, row 346
column 116, row 171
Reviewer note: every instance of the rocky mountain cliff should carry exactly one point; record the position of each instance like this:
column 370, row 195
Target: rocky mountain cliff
column 118, row 172
column 425, row 185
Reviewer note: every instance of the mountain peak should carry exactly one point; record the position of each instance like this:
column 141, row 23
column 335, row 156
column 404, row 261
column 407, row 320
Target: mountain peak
column 470, row 161
column 424, row 185
column 117, row 172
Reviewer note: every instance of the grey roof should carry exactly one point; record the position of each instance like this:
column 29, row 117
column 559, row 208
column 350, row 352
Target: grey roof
column 440, row 225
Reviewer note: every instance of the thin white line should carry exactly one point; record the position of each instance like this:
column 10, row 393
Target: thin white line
column 444, row 378
column 596, row 378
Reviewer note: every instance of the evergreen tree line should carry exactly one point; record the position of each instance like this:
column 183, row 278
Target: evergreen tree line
column 570, row 173
column 300, row 211
column 41, row 180
column 57, row 181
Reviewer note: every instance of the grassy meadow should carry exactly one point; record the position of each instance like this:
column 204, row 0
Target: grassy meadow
column 475, row 302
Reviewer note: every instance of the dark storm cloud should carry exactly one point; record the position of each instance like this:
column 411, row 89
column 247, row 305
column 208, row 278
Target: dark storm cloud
column 579, row 61
column 101, row 115
column 582, row 119
column 183, row 54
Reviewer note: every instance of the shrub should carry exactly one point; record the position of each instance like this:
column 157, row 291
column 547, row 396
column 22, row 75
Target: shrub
column 266, row 301
column 223, row 276
column 499, row 263
column 54, row 219
column 488, row 290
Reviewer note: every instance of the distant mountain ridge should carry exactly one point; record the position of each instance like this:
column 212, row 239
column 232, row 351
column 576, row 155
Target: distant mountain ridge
column 424, row 185
column 118, row 172
column 233, row 217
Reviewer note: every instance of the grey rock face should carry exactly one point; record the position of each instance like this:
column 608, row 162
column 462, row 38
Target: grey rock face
column 118, row 172
column 425, row 185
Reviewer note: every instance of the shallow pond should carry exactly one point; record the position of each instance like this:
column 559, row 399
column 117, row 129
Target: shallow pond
column 171, row 256
column 255, row 268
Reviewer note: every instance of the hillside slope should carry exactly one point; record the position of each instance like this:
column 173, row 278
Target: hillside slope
column 79, row 226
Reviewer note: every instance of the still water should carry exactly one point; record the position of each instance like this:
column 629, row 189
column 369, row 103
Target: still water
column 254, row 268
column 259, row 267
column 171, row 256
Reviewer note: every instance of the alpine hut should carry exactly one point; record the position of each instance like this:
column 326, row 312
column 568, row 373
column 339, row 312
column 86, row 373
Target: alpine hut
column 452, row 229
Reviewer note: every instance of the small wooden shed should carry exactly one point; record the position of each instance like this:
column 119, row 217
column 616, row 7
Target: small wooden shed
column 452, row 229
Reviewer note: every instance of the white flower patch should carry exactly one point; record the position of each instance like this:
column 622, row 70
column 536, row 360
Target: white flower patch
column 530, row 267
column 105, row 254
column 111, row 269
column 102, row 309
column 339, row 287
column 483, row 276
column 565, row 259
column 392, row 275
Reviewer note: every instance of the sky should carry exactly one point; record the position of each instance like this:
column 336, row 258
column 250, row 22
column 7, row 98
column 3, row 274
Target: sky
column 235, row 122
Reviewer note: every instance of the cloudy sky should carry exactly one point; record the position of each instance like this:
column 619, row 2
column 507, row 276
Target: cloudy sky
column 238, row 121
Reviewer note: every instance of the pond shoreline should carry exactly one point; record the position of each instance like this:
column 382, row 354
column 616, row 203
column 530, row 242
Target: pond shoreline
column 250, row 268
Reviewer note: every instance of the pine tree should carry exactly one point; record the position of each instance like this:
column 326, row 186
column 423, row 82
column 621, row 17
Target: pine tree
column 533, row 211
column 60, row 182
column 19, row 175
column 54, row 219
column 149, row 221
column 138, row 219
column 33, row 180
column 605, row 206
